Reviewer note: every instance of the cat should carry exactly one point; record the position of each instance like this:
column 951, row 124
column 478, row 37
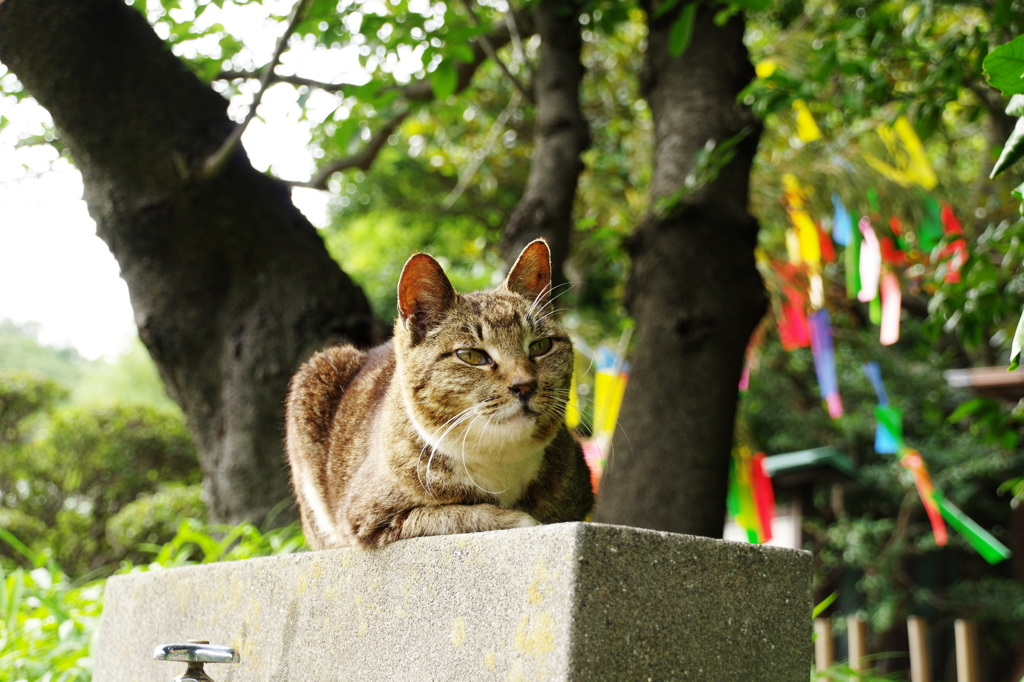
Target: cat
column 456, row 425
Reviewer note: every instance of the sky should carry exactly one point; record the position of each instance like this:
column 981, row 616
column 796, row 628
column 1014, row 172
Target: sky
column 56, row 272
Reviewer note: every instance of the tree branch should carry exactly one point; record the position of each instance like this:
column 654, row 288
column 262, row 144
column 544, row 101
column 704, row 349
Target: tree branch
column 418, row 92
column 362, row 160
column 489, row 50
column 277, row 78
column 478, row 158
column 215, row 163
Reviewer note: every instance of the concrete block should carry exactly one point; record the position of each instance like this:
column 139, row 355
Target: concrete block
column 572, row 601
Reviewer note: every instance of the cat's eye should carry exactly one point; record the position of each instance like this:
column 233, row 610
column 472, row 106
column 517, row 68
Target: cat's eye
column 540, row 347
column 472, row 356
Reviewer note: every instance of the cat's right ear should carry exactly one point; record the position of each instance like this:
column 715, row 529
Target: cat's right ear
column 424, row 294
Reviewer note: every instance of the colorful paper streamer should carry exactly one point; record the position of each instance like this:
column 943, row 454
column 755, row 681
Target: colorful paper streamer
column 806, row 127
column 825, row 362
column 892, row 305
column 870, row 262
column 905, row 149
column 977, row 537
column 911, row 459
column 842, row 223
column 751, row 499
column 610, row 379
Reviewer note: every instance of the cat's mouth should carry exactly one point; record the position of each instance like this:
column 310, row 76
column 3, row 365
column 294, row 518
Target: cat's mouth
column 518, row 410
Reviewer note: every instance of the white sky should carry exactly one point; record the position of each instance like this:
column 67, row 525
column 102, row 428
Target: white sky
column 55, row 271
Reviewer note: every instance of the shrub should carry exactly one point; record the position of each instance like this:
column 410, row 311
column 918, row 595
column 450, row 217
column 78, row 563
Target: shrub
column 88, row 464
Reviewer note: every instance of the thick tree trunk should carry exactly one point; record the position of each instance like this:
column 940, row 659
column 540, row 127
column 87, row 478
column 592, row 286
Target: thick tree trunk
column 545, row 209
column 696, row 294
column 230, row 284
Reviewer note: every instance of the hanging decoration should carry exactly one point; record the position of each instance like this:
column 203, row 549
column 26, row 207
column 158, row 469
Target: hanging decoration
column 825, row 362
column 806, row 127
column 905, row 148
column 892, row 305
column 876, row 262
column 751, row 499
column 889, row 440
column 611, row 374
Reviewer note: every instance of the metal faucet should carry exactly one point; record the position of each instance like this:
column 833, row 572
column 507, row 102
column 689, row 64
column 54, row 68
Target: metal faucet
column 195, row 652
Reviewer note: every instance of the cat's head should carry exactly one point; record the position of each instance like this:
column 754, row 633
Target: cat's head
column 489, row 364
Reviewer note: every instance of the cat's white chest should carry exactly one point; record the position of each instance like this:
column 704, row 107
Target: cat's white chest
column 501, row 460
column 505, row 472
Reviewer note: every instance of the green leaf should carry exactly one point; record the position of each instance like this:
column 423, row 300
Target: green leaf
column 1016, row 106
column 751, row 5
column 1013, row 150
column 824, row 604
column 1004, row 67
column 444, row 79
column 681, row 33
column 664, row 8
column 1017, row 345
column 969, row 409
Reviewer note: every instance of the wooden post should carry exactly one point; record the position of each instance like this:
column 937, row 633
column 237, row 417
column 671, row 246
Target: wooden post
column 824, row 644
column 858, row 641
column 967, row 668
column 920, row 664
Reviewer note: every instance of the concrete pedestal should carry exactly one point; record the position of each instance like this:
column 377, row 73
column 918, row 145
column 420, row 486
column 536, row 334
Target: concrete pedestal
column 568, row 601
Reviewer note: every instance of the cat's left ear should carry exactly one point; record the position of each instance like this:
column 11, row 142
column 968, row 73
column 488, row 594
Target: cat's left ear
column 531, row 275
column 424, row 293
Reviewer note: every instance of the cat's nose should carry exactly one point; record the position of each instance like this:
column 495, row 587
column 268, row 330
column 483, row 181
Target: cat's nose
column 523, row 389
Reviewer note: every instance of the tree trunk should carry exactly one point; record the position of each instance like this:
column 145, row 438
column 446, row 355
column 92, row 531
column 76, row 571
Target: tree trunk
column 695, row 292
column 545, row 209
column 230, row 284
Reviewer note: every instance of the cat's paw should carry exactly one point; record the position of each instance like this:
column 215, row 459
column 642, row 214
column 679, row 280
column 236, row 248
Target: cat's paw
column 517, row 519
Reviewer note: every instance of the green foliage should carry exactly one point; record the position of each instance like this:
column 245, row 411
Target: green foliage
column 1004, row 67
column 48, row 622
column 374, row 247
column 152, row 518
column 197, row 543
column 21, row 351
column 875, row 530
column 130, row 378
column 22, row 396
column 60, row 485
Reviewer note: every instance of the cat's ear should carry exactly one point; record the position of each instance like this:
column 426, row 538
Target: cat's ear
column 531, row 275
column 424, row 293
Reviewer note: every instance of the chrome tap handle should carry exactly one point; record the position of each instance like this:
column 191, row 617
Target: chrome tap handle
column 195, row 653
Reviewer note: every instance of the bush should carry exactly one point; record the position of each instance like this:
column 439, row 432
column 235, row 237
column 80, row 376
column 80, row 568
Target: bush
column 154, row 518
column 48, row 622
column 79, row 472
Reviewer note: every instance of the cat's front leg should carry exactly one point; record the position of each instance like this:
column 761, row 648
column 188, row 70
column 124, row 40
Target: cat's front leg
column 446, row 519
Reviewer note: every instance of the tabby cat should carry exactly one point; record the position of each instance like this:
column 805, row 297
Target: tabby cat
column 456, row 425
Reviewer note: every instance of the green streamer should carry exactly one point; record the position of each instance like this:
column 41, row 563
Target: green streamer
column 980, row 539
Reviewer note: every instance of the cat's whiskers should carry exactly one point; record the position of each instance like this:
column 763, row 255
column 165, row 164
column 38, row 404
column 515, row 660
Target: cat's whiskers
column 587, row 422
column 465, row 464
column 553, row 311
column 450, row 423
column 545, row 298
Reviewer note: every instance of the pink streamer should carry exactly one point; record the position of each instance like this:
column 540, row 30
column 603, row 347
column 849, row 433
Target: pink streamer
column 870, row 262
column 892, row 299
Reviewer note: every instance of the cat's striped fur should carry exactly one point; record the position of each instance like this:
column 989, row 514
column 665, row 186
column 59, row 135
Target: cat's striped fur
column 456, row 425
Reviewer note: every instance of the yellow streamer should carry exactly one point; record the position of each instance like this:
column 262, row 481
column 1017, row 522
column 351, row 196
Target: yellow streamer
column 806, row 127
column 608, row 391
column 905, row 148
column 572, row 410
